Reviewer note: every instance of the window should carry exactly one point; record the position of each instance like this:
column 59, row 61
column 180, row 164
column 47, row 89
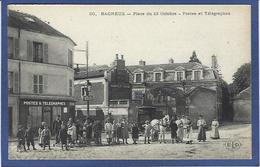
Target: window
column 179, row 76
column 10, row 82
column 38, row 84
column 13, row 85
column 197, row 75
column 70, row 88
column 37, row 52
column 158, row 77
column 10, row 48
column 138, row 78
column 70, row 58
column 13, row 48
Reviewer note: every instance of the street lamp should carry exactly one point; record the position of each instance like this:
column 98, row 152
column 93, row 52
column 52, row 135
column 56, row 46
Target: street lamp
column 86, row 94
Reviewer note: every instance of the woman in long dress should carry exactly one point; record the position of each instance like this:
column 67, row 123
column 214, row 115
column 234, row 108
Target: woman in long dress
column 125, row 135
column 201, row 123
column 214, row 129
column 180, row 130
column 108, row 130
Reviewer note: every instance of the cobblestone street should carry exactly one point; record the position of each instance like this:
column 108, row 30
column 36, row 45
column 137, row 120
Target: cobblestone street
column 211, row 149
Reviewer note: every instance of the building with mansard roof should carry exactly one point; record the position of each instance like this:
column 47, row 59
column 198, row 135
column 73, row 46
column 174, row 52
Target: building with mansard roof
column 40, row 72
column 174, row 88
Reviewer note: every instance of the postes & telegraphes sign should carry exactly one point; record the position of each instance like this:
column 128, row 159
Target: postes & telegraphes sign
column 46, row 103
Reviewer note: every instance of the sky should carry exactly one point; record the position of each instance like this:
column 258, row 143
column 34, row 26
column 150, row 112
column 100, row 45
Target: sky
column 153, row 38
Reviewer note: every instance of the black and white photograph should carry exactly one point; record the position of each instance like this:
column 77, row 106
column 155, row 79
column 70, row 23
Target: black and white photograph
column 129, row 82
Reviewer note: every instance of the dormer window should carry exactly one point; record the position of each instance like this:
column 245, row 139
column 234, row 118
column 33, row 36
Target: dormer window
column 197, row 74
column 158, row 77
column 29, row 19
column 139, row 78
column 158, row 74
column 179, row 75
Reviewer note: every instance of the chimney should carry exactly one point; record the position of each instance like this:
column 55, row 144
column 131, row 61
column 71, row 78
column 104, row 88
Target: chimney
column 119, row 63
column 142, row 63
column 171, row 61
column 214, row 63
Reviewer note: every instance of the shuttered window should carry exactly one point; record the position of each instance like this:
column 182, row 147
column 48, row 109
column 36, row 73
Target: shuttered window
column 70, row 58
column 39, row 84
column 10, row 48
column 37, row 52
column 10, row 82
column 45, row 54
column 70, row 88
column 13, row 48
column 13, row 82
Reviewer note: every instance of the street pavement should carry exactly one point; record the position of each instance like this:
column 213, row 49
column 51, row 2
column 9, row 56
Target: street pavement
column 235, row 143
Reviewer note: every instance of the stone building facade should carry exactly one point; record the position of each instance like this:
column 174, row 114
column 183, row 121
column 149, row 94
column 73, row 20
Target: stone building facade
column 40, row 72
column 110, row 91
column 176, row 89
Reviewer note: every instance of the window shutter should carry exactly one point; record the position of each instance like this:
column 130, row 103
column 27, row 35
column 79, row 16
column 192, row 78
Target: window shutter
column 16, row 48
column 45, row 84
column 29, row 50
column 16, row 82
column 35, row 83
column 45, row 52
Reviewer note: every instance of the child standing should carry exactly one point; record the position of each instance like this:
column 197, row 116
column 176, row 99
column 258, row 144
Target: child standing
column 147, row 131
column 135, row 133
column 30, row 138
column 63, row 136
column 21, row 138
column 108, row 129
column 40, row 133
column 46, row 134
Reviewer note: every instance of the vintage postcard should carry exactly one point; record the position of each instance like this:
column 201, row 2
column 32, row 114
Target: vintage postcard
column 130, row 82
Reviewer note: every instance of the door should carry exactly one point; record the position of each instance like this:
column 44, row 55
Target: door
column 47, row 116
column 10, row 111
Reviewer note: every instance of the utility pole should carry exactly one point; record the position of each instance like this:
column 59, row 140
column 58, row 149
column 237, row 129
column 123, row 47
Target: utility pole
column 87, row 78
column 87, row 86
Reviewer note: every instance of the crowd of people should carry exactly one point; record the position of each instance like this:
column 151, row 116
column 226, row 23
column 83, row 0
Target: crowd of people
column 116, row 131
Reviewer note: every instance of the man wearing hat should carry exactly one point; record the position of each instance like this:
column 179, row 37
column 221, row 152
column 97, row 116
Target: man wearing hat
column 56, row 128
column 21, row 138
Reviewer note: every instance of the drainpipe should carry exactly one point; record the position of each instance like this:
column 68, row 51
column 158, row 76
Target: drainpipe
column 19, row 75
